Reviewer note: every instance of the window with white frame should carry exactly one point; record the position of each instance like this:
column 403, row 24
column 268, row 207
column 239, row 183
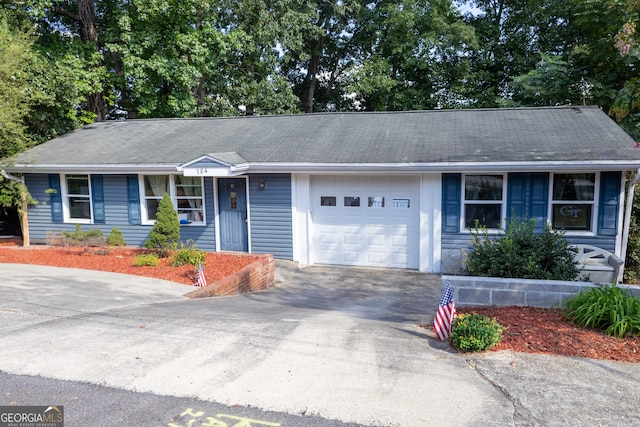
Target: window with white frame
column 483, row 200
column 77, row 198
column 189, row 199
column 573, row 201
column 186, row 194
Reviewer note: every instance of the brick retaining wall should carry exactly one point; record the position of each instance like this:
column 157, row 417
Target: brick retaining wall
column 258, row 275
column 469, row 291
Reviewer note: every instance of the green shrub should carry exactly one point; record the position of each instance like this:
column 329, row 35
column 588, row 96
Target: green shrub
column 520, row 253
column 188, row 254
column 143, row 260
column 632, row 263
column 475, row 332
column 116, row 238
column 165, row 234
column 611, row 309
column 80, row 238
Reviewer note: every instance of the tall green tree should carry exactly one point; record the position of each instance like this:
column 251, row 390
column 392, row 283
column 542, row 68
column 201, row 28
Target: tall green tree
column 378, row 55
column 77, row 26
column 417, row 57
column 512, row 34
column 626, row 106
column 330, row 35
column 15, row 97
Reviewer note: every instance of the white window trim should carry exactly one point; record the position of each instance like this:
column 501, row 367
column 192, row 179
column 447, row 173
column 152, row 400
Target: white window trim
column 550, row 201
column 172, row 193
column 66, row 210
column 594, row 213
column 503, row 202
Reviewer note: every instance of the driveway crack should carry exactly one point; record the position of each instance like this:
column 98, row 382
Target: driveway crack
column 522, row 417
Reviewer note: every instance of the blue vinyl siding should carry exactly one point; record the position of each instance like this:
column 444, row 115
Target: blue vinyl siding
column 270, row 215
column 457, row 241
column 116, row 213
column 41, row 218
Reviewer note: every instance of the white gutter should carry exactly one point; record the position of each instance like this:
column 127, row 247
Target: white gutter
column 97, row 168
column 627, row 223
column 308, row 167
column 11, row 177
column 447, row 167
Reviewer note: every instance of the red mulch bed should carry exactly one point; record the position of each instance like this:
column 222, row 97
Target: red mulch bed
column 120, row 260
column 545, row 331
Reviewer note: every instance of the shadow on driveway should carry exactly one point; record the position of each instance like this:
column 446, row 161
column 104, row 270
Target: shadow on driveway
column 384, row 294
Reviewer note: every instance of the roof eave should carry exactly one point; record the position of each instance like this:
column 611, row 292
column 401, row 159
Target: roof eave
column 448, row 167
column 105, row 169
column 295, row 167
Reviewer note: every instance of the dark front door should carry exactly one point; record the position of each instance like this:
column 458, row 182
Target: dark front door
column 232, row 202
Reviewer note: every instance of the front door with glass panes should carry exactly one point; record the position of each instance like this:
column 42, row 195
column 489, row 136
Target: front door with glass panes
column 232, row 205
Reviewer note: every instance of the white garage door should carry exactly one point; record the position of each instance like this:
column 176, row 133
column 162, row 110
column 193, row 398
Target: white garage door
column 365, row 220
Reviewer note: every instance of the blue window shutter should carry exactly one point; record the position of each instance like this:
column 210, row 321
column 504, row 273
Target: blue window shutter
column 133, row 198
column 527, row 197
column 609, row 203
column 516, row 196
column 97, row 196
column 538, row 200
column 55, row 197
column 451, row 192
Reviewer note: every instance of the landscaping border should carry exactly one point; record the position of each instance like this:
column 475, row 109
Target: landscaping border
column 258, row 275
column 473, row 291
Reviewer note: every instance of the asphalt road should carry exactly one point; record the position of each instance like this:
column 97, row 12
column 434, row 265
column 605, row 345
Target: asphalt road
column 93, row 405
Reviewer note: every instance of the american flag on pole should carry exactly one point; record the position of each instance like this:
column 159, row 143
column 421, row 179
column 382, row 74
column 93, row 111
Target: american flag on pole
column 446, row 313
column 201, row 281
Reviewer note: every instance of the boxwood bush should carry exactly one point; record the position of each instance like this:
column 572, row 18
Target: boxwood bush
column 520, row 253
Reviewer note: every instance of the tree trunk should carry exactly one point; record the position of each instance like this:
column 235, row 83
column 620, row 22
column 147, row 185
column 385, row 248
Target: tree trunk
column 311, row 79
column 24, row 218
column 89, row 34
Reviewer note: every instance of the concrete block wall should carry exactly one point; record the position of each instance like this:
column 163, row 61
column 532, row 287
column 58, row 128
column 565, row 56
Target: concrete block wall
column 469, row 291
column 258, row 275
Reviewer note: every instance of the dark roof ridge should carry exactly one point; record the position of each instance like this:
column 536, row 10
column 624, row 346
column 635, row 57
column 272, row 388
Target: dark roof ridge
column 353, row 113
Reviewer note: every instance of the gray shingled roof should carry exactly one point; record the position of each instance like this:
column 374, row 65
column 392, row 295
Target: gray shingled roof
column 438, row 137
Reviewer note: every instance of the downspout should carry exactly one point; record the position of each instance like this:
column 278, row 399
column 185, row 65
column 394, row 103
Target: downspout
column 627, row 223
column 24, row 219
column 11, row 177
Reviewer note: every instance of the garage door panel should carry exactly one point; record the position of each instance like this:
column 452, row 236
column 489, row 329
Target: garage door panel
column 382, row 231
column 400, row 241
column 351, row 238
column 352, row 257
column 328, row 256
column 399, row 259
column 377, row 258
column 376, row 240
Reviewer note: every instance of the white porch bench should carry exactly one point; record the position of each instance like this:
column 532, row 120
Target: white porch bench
column 598, row 265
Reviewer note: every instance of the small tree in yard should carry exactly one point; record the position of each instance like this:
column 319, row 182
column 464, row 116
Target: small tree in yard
column 165, row 234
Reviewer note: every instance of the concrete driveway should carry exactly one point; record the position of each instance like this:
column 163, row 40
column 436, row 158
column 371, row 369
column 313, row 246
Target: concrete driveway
column 339, row 342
